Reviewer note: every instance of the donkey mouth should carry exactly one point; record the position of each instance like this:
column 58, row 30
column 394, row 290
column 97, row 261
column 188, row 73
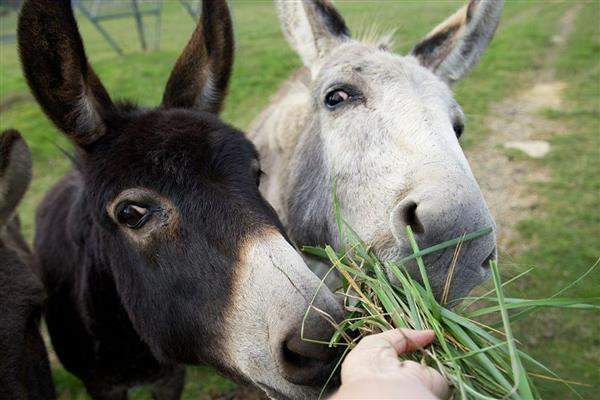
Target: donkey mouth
column 468, row 270
column 271, row 392
column 309, row 371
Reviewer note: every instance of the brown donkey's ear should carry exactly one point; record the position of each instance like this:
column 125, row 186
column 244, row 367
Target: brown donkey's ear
column 56, row 68
column 15, row 172
column 200, row 77
column 454, row 47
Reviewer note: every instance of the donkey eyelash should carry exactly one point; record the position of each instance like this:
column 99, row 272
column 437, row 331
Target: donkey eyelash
column 350, row 95
column 352, row 90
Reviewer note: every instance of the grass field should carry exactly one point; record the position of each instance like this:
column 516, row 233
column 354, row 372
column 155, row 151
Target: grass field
column 562, row 236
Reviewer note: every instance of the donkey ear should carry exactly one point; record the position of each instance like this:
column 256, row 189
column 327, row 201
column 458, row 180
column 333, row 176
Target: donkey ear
column 57, row 70
column 201, row 75
column 454, row 47
column 312, row 28
column 15, row 173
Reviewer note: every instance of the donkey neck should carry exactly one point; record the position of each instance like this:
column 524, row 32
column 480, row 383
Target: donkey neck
column 276, row 133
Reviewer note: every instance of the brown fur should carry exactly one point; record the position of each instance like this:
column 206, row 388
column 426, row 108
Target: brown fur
column 15, row 173
column 139, row 244
column 24, row 367
column 65, row 84
column 206, row 60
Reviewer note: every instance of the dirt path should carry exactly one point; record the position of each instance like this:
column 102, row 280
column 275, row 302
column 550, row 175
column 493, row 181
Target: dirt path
column 517, row 123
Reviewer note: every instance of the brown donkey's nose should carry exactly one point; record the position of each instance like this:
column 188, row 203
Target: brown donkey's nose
column 305, row 362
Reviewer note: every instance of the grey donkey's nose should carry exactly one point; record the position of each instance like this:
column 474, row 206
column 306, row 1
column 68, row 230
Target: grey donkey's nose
column 405, row 214
column 435, row 219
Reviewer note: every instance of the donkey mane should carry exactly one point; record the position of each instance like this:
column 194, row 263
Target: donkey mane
column 374, row 36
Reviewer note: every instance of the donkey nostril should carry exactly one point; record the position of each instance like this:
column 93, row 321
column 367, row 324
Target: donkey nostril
column 302, row 361
column 301, row 353
column 306, row 363
column 295, row 359
column 486, row 263
column 410, row 218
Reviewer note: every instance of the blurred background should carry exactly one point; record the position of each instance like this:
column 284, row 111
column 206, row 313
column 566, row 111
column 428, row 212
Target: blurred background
column 532, row 136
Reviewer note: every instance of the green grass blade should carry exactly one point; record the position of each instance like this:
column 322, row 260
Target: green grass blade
column 446, row 244
column 521, row 379
column 576, row 303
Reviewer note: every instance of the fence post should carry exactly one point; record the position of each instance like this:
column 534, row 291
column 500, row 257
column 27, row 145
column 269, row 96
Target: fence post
column 139, row 23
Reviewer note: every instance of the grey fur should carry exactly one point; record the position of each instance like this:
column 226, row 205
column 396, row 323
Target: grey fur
column 471, row 30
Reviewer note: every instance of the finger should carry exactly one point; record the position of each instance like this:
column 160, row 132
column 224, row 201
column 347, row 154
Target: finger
column 374, row 351
column 428, row 376
column 405, row 340
column 381, row 351
column 437, row 384
column 373, row 347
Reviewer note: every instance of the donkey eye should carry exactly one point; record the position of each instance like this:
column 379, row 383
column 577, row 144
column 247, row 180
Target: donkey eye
column 336, row 97
column 259, row 174
column 133, row 216
column 458, row 127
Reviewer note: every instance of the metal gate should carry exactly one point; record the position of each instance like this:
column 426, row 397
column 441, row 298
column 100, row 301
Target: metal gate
column 97, row 11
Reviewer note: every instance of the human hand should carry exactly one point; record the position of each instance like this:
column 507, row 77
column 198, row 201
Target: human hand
column 372, row 369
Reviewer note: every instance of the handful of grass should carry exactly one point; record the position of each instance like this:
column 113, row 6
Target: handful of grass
column 479, row 360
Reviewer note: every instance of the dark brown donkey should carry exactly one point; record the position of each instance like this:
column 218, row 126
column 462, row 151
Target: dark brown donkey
column 158, row 249
column 24, row 368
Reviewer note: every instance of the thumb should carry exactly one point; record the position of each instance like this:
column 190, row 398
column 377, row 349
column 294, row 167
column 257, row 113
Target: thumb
column 407, row 340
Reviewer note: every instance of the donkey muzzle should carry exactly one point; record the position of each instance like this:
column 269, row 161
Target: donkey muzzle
column 437, row 216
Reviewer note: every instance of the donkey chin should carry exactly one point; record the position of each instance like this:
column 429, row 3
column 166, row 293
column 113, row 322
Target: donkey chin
column 467, row 272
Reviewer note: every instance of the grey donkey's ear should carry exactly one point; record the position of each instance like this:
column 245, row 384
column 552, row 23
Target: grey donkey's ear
column 15, row 173
column 454, row 47
column 201, row 75
column 312, row 28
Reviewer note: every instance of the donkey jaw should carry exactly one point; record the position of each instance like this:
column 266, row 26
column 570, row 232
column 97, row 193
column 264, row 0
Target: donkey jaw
column 302, row 392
